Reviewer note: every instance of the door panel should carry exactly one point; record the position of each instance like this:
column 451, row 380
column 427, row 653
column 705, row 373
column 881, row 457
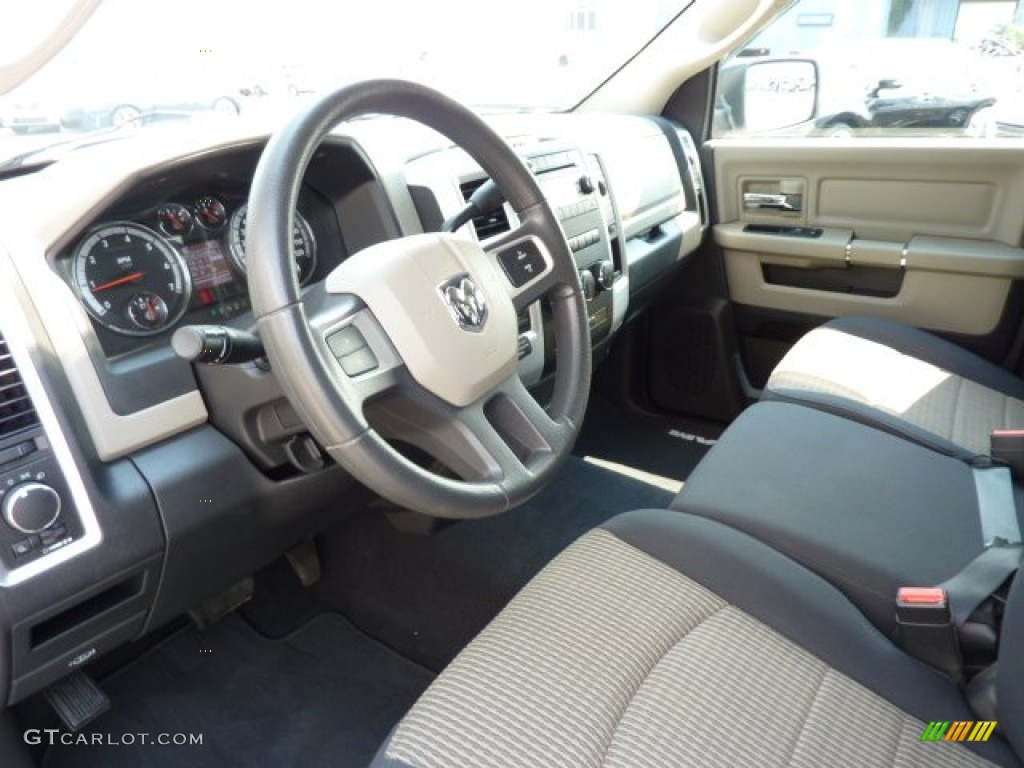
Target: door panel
column 927, row 231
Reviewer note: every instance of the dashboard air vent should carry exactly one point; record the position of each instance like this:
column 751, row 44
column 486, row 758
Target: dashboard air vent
column 16, row 409
column 489, row 224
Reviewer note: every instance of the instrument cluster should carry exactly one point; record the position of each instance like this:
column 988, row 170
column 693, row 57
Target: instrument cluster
column 139, row 276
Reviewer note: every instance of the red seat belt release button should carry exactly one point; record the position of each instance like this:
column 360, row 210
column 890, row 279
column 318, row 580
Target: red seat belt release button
column 922, row 596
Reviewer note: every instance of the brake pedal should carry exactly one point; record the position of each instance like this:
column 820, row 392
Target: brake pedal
column 77, row 700
column 305, row 561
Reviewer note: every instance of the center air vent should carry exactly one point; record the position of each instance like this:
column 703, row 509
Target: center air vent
column 16, row 409
column 490, row 224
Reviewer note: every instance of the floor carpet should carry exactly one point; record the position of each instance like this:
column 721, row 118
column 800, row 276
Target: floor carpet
column 427, row 596
column 326, row 695
column 641, row 442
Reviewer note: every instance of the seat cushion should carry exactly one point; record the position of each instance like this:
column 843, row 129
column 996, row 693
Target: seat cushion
column 903, row 380
column 866, row 510
column 665, row 639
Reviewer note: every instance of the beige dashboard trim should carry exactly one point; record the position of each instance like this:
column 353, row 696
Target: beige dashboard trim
column 113, row 435
column 23, row 348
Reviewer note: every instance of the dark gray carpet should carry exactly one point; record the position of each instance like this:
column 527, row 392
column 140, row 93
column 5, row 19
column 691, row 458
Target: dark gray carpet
column 639, row 441
column 325, row 696
column 427, row 597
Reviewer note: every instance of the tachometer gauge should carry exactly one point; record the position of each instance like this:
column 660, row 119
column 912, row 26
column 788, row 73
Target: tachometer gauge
column 130, row 279
column 174, row 219
column 210, row 213
column 302, row 242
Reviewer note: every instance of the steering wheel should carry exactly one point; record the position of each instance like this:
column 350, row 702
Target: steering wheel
column 421, row 332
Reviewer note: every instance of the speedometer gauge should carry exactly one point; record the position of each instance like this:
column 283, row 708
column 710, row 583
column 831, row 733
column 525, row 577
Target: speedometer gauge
column 130, row 279
column 302, row 242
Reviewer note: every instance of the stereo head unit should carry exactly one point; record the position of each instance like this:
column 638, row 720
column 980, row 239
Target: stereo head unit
column 577, row 190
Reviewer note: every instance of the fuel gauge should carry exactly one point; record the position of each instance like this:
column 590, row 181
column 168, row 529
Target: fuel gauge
column 148, row 311
column 211, row 214
column 174, row 219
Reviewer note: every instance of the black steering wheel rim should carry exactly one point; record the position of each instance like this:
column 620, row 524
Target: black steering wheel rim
column 298, row 357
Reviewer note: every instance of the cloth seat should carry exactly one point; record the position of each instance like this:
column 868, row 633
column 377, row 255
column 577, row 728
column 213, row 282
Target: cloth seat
column 666, row 639
column 866, row 510
column 903, row 380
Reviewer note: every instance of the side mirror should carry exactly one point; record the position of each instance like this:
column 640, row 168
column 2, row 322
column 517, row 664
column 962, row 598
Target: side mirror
column 770, row 95
column 884, row 84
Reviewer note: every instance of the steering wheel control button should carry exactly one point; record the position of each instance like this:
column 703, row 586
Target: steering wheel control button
column 345, row 342
column 31, row 508
column 525, row 347
column 360, row 361
column 522, row 263
column 350, row 349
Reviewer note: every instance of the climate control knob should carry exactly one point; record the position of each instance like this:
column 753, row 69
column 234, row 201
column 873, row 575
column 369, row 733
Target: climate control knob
column 605, row 274
column 31, row 507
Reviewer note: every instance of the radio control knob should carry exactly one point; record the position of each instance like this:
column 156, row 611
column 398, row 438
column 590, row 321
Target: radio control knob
column 31, row 507
column 588, row 283
column 586, row 185
column 605, row 274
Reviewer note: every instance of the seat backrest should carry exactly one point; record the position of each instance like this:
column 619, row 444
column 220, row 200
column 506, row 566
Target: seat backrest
column 1010, row 680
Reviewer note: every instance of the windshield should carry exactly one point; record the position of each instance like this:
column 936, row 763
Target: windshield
column 138, row 63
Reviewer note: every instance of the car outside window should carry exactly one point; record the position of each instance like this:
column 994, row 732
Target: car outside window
column 844, row 69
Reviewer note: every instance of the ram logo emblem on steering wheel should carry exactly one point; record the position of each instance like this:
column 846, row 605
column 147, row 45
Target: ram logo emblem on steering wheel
column 466, row 302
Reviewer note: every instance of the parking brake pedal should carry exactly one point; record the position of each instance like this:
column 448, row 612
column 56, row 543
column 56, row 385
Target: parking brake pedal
column 77, row 700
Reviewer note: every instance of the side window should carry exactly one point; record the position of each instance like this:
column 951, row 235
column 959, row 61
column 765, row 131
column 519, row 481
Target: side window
column 861, row 68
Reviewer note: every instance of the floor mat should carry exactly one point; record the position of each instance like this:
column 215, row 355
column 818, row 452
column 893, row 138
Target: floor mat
column 644, row 443
column 427, row 597
column 326, row 695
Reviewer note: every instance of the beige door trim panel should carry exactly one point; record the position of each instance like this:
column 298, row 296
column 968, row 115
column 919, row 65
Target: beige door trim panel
column 840, row 247
column 940, row 301
column 953, row 285
column 884, row 189
column 947, row 213
column 830, row 247
column 952, row 207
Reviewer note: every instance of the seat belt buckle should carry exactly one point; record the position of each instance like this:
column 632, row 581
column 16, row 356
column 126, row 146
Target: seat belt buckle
column 1007, row 447
column 927, row 630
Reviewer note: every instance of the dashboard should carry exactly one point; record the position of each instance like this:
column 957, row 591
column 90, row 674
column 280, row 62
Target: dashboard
column 133, row 484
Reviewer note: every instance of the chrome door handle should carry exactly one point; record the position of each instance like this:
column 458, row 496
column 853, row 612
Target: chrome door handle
column 760, row 201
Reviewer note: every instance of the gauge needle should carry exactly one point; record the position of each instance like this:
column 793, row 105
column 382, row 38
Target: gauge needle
column 120, row 281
